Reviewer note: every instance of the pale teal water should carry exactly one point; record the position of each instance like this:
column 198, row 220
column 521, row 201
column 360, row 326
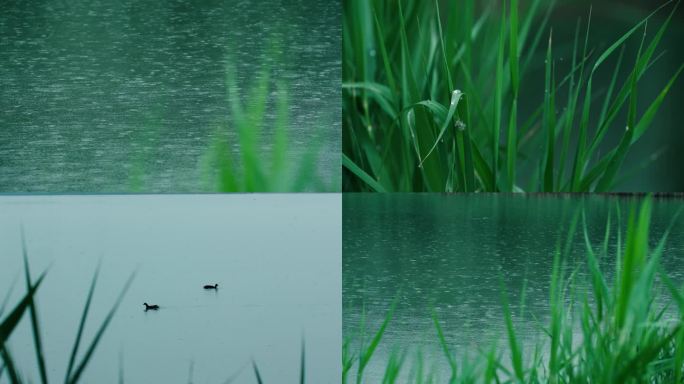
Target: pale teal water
column 92, row 93
column 276, row 258
column 451, row 251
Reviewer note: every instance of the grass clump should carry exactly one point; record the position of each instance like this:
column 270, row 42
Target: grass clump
column 432, row 89
column 626, row 326
column 264, row 109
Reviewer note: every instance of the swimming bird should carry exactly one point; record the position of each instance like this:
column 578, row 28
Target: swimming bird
column 209, row 286
column 148, row 307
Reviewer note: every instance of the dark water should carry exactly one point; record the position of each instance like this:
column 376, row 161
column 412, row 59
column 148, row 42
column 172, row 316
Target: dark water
column 276, row 258
column 452, row 251
column 94, row 92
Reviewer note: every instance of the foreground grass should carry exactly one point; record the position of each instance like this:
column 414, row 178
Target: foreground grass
column 625, row 329
column 431, row 95
column 251, row 150
column 76, row 366
column 256, row 169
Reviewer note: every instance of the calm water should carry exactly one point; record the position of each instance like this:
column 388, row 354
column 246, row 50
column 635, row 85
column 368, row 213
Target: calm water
column 451, row 251
column 276, row 258
column 92, row 91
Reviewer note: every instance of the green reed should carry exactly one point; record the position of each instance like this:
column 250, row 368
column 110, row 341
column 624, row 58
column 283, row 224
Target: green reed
column 431, row 95
column 626, row 327
column 261, row 158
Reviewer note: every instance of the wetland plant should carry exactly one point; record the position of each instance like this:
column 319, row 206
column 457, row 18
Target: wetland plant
column 432, row 93
column 266, row 106
column 9, row 323
column 626, row 327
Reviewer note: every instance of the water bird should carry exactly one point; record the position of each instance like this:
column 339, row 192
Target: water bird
column 152, row 307
column 209, row 286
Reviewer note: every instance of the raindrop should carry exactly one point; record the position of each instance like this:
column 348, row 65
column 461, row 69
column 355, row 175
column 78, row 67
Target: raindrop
column 460, row 125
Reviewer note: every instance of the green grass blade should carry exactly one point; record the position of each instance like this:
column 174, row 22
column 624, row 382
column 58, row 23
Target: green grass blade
column 614, row 164
column 512, row 146
column 613, row 80
column 380, row 34
column 624, row 93
column 75, row 376
column 361, row 174
column 549, row 114
column 33, row 311
column 280, row 140
column 624, row 37
column 302, row 369
column 513, row 48
column 12, row 319
column 516, row 351
column 572, row 103
column 652, row 110
column 5, row 300
column 12, row 372
column 445, row 347
column 498, row 96
column 81, row 326
column 367, row 353
column 455, row 98
column 444, row 54
column 256, row 372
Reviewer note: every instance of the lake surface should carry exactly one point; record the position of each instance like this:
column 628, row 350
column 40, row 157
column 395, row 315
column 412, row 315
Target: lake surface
column 452, row 250
column 276, row 258
column 93, row 92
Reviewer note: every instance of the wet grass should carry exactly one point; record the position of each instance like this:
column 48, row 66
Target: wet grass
column 623, row 327
column 265, row 161
column 250, row 148
column 432, row 89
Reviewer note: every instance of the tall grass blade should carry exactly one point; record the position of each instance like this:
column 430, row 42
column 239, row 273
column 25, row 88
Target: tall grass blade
column 256, row 372
column 498, row 96
column 361, row 174
column 302, row 369
column 513, row 48
column 12, row 319
column 512, row 146
column 12, row 372
column 81, row 326
column 75, row 376
column 549, row 114
column 513, row 342
column 445, row 347
column 33, row 311
column 367, row 352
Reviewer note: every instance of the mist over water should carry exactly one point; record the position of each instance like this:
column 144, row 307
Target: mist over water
column 276, row 259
